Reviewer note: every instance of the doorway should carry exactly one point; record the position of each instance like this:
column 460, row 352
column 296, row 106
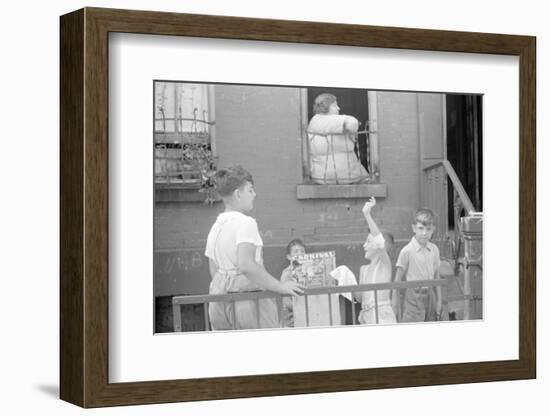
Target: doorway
column 465, row 145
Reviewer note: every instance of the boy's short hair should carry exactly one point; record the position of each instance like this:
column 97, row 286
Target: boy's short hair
column 322, row 103
column 295, row 242
column 424, row 216
column 228, row 179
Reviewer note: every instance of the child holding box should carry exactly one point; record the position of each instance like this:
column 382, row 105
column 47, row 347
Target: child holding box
column 295, row 248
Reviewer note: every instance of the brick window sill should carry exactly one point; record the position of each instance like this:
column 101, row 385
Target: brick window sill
column 306, row 191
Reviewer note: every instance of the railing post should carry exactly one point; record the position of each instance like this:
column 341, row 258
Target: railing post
column 330, row 320
column 258, row 312
column 176, row 313
column 233, row 315
column 376, row 306
column 279, row 301
column 467, row 291
column 307, row 310
column 352, row 310
column 206, row 317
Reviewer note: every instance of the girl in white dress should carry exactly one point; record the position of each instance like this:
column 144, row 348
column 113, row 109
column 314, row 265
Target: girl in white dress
column 379, row 270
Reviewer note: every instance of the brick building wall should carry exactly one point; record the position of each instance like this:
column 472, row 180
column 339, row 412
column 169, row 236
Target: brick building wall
column 260, row 128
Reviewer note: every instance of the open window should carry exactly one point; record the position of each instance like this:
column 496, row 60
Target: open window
column 362, row 149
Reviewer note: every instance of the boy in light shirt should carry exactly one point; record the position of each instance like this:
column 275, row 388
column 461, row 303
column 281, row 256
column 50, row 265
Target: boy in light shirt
column 419, row 260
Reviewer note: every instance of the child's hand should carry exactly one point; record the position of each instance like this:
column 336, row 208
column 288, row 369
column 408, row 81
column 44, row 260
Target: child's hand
column 291, row 287
column 368, row 205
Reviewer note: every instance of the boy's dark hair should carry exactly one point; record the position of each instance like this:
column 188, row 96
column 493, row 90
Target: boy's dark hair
column 424, row 216
column 295, row 242
column 227, row 180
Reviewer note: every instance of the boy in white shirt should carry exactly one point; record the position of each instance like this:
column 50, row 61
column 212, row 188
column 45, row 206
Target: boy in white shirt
column 234, row 249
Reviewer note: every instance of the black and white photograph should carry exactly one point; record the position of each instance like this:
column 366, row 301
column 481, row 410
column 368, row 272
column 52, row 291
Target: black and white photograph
column 280, row 207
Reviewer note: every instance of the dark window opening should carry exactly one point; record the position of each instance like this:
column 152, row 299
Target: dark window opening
column 464, row 147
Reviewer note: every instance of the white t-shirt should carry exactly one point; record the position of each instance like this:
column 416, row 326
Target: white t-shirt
column 229, row 230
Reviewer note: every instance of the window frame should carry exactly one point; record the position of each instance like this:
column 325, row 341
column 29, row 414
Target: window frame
column 307, row 189
column 181, row 191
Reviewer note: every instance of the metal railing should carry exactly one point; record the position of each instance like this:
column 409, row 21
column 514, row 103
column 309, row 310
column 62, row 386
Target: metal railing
column 181, row 300
column 436, row 175
column 329, row 157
